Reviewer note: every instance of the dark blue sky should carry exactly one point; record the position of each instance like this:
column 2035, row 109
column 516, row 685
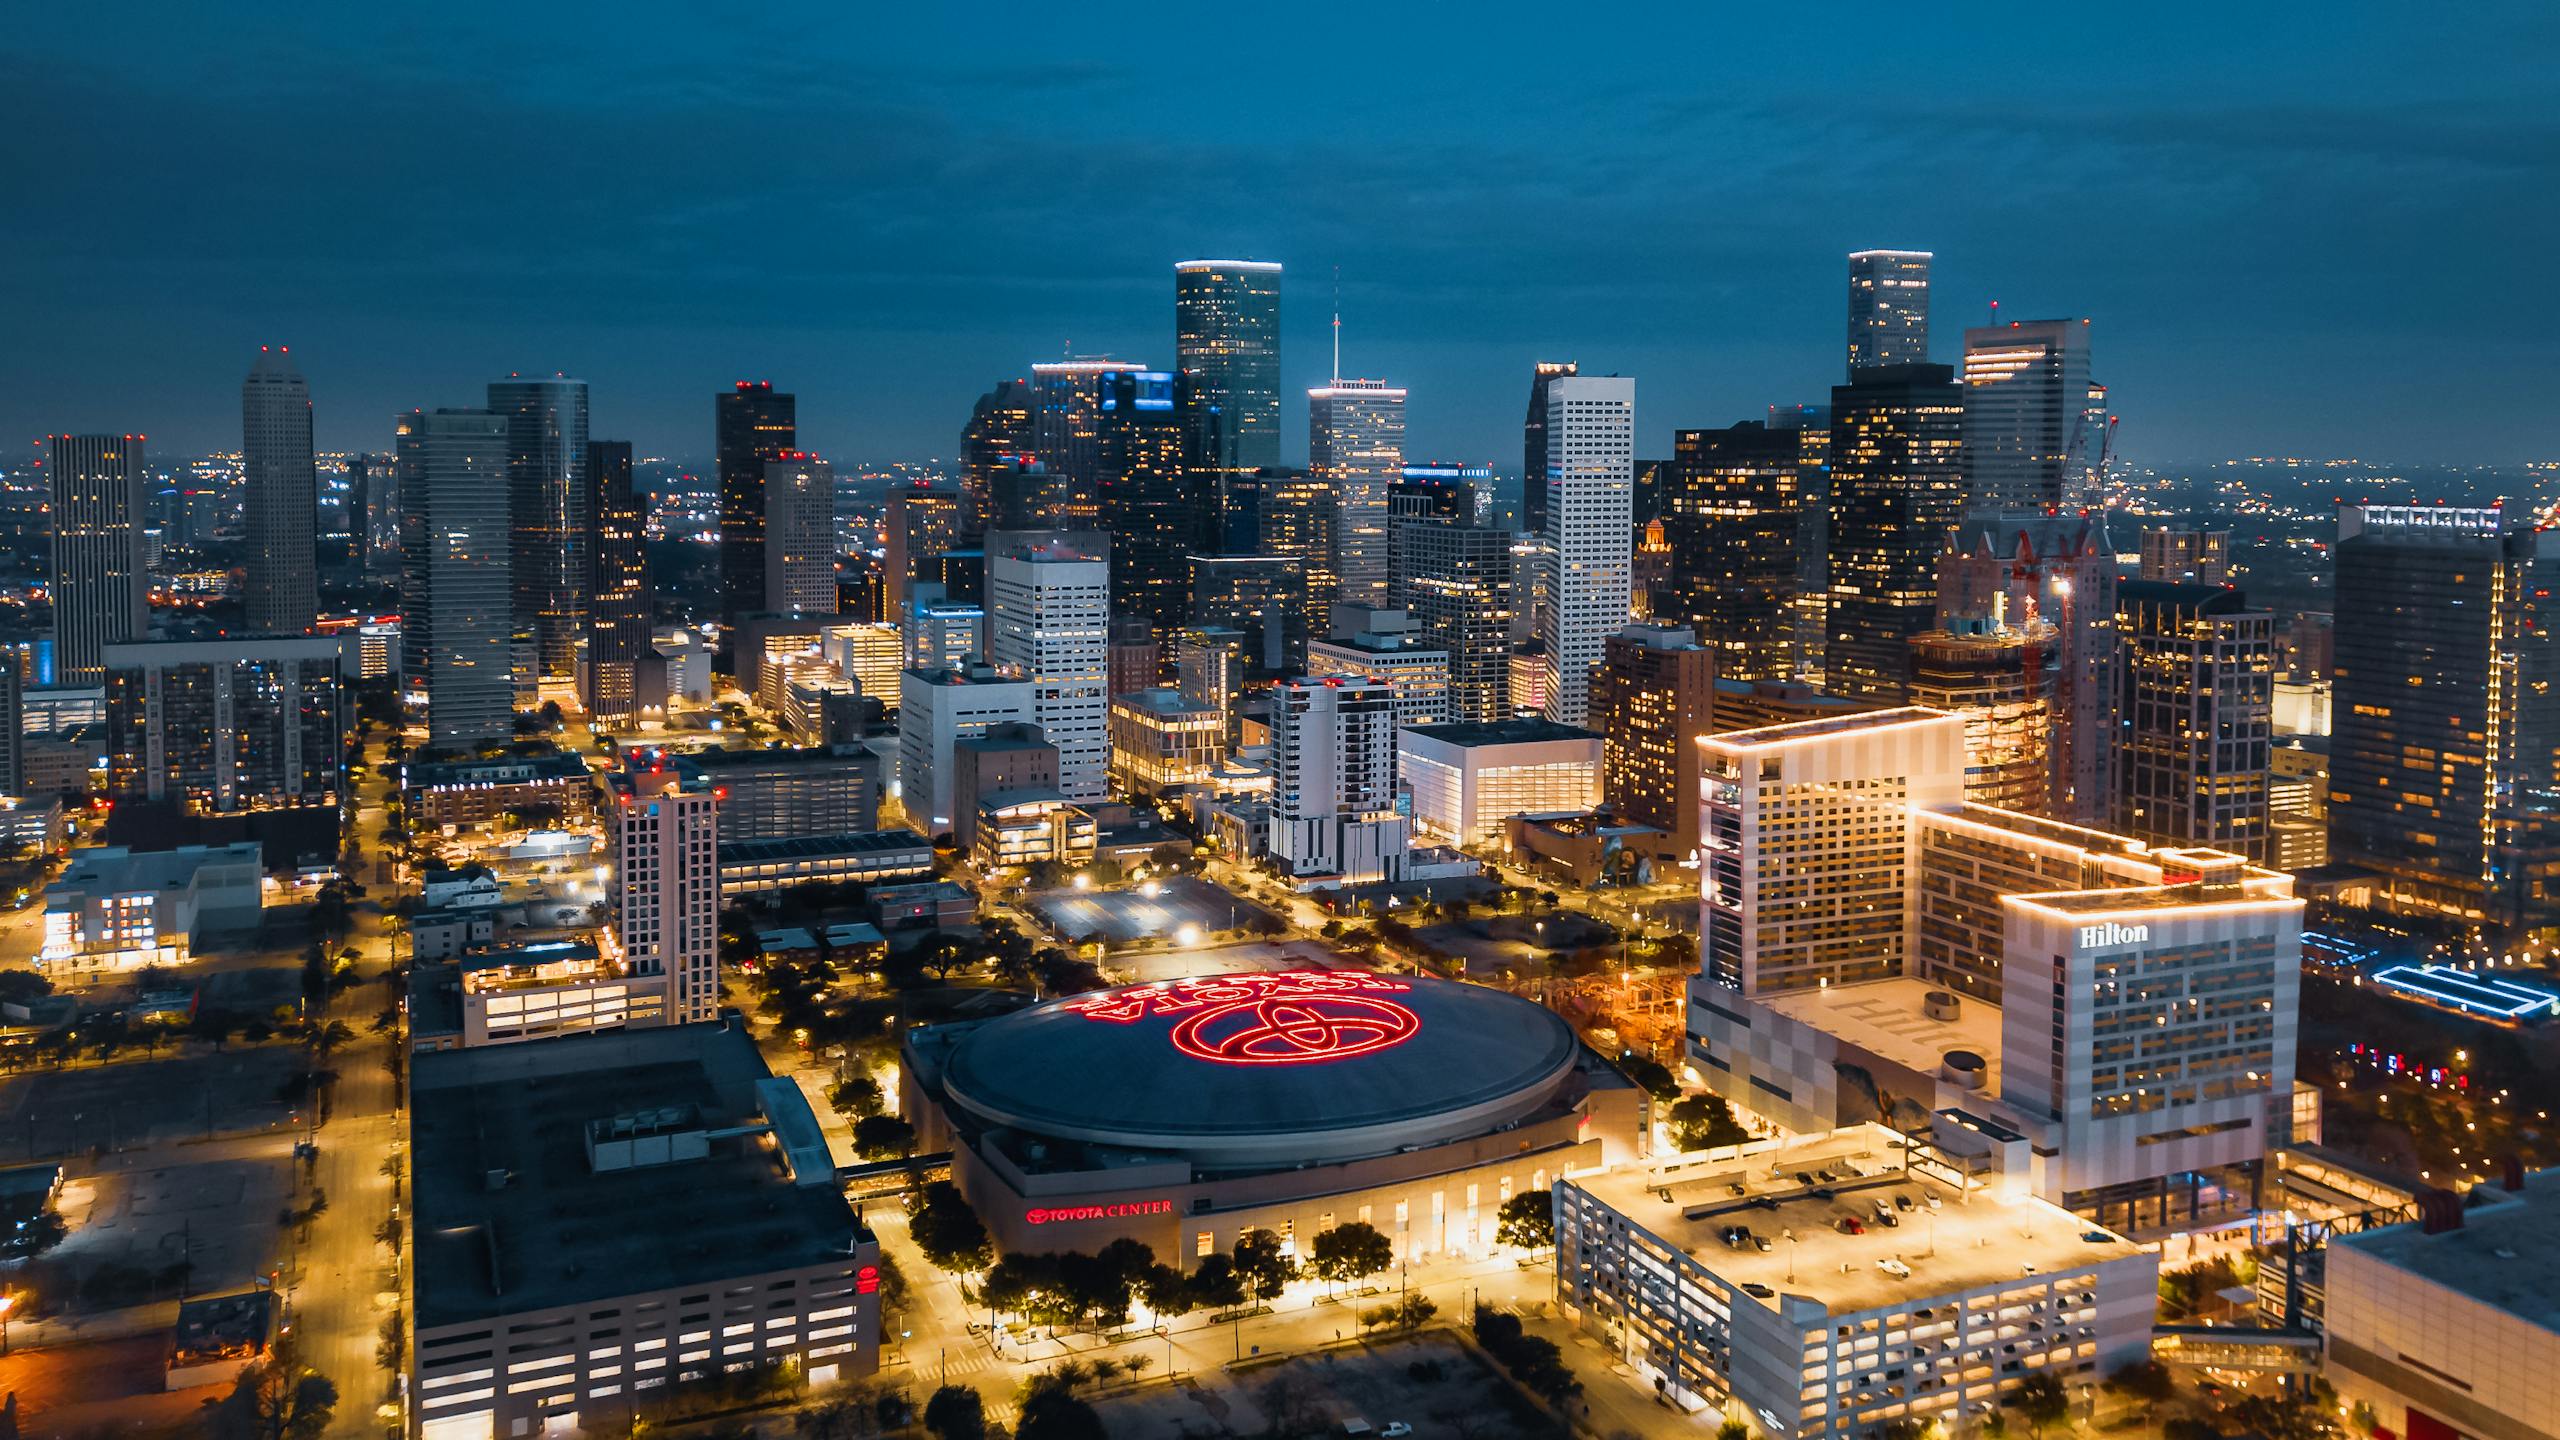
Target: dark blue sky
column 2312, row 229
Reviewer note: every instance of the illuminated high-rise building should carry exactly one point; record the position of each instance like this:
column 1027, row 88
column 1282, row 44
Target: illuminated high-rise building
column 2444, row 763
column 1653, row 700
column 997, row 435
column 753, row 425
column 100, row 591
column 799, row 535
column 666, row 842
column 1049, row 620
column 1296, row 518
column 2027, row 438
column 2001, row 681
column 547, row 495
column 1731, row 514
column 2019, row 571
column 1355, row 440
column 922, row 521
column 1334, row 815
column 282, row 489
column 618, row 594
column 1066, row 442
column 1226, row 344
column 1590, row 534
column 1888, row 308
column 1454, row 577
column 1897, row 488
column 2186, row 554
column 1157, row 519
column 455, row 582
column 1259, row 599
column 2195, row 701
column 1533, row 444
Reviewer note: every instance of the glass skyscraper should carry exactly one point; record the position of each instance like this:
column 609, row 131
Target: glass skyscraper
column 1888, row 308
column 547, row 497
column 1897, row 488
column 1226, row 344
column 754, row 426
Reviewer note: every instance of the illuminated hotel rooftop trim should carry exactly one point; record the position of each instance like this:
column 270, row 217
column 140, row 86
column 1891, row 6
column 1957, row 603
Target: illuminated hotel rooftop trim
column 1796, row 731
column 1189, row 265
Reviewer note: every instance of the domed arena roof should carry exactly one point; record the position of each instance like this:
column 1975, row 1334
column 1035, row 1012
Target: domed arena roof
column 1266, row 1069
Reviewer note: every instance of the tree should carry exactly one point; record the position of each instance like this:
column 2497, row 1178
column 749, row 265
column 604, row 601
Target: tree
column 855, row 1097
column 2147, row 1380
column 1167, row 1293
column 17, row 987
column 1409, row 1313
column 1260, row 1265
column 883, row 1137
column 1702, row 1122
column 1651, row 1076
column 1734, row 1430
column 1351, row 1253
column 956, row 1413
column 1527, row 1220
column 1054, row 1414
column 2040, row 1400
column 948, row 1231
column 278, row 1398
column 1214, row 1283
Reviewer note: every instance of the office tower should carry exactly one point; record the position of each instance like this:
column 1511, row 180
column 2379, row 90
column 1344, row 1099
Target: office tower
column 1066, row 441
column 923, row 520
column 799, row 535
column 1731, row 511
column 1334, row 816
column 997, row 436
column 1590, row 540
column 1355, row 440
column 1888, row 308
column 1021, row 490
column 1048, row 619
column 2196, row 701
column 100, row 593
column 666, row 864
column 1533, row 444
column 619, row 600
column 373, row 489
column 13, row 726
column 753, row 426
column 1441, row 490
column 2027, row 444
column 215, row 741
column 1650, row 582
column 1653, row 701
column 2002, row 682
column 547, row 499
column 1811, row 607
column 783, row 792
column 1456, row 583
column 2021, row 573
column 1261, row 598
column 1298, row 516
column 2444, row 764
column 1897, row 488
column 283, row 496
column 1226, row 344
column 1158, row 521
column 454, row 579
column 1393, row 649
column 2186, row 554
column 1136, row 654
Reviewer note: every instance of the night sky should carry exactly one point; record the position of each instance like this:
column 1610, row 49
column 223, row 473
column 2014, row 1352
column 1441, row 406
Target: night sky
column 2300, row 229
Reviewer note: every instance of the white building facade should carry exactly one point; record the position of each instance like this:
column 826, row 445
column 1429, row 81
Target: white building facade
column 1590, row 532
column 667, row 865
column 1049, row 620
column 937, row 709
column 1335, row 817
column 799, row 535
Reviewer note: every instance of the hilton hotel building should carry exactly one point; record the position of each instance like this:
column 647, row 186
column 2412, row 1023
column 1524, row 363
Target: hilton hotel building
column 2114, row 1019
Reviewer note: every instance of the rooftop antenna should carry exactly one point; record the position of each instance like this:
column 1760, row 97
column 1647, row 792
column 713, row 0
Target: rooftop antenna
column 1337, row 325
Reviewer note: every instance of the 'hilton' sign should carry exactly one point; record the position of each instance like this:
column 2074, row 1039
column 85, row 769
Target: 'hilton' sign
column 2111, row 933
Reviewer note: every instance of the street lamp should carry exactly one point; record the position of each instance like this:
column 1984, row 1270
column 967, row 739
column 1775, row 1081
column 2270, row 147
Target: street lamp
column 7, row 1304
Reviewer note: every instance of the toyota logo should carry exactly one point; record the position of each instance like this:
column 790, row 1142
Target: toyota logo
column 1287, row 1029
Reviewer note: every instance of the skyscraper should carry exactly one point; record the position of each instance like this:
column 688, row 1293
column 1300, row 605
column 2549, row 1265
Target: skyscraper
column 1888, row 308
column 1333, row 795
column 547, row 500
column 1653, row 700
column 1226, row 343
column 1731, row 513
column 666, row 841
column 1897, row 488
column 2196, row 699
column 1066, row 439
column 1261, row 600
column 753, row 425
column 1297, row 517
column 100, row 593
column 1355, row 440
column 214, row 741
column 454, row 576
column 2020, row 571
column 922, row 521
column 1533, row 444
column 619, row 599
column 799, row 535
column 2186, row 553
column 373, row 497
column 998, row 432
column 2444, row 767
column 1049, row 619
column 2027, row 444
column 1455, row 580
column 1158, row 521
column 1590, row 534
column 283, row 494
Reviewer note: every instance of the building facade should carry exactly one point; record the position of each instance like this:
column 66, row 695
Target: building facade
column 619, row 599
column 666, row 864
column 2196, row 700
column 1466, row 780
column 455, row 586
column 752, row 426
column 1653, row 702
column 547, row 496
column 1731, row 510
column 100, row 584
column 249, row 734
column 799, row 535
column 1335, row 817
column 1049, row 620
column 281, row 487
column 1226, row 344
column 2029, row 438
column 1897, row 488
column 1355, row 440
column 936, row 710
column 2014, row 571
column 1888, row 309
column 1590, row 531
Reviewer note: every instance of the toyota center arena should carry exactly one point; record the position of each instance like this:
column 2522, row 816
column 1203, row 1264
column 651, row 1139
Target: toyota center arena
column 1180, row 1114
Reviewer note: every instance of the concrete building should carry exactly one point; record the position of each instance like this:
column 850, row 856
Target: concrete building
column 1653, row 701
column 936, row 710
column 1392, row 649
column 552, row 526
column 938, row 633
column 753, row 425
column 1002, row 758
column 592, row 1222
column 2002, row 682
column 100, row 584
column 1731, row 510
column 530, row 992
column 455, row 585
column 281, row 487
column 1162, row 742
column 921, row 521
column 2186, row 555
column 1590, row 531
column 1335, row 819
column 799, row 535
column 227, row 739
column 114, row 909
column 1900, row 1290
column 1454, row 579
column 1048, row 620
column 665, row 835
column 1355, row 440
column 2030, row 440
column 1888, row 308
column 2196, row 710
column 782, row 793
column 1467, row 779
column 468, row 794
column 749, row 867
column 2006, row 571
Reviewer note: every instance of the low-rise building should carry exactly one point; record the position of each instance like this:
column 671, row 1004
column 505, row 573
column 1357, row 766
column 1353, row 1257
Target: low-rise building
column 472, row 887
column 1009, row 756
column 530, row 992
column 923, row 905
column 112, row 909
column 468, row 794
column 1161, row 741
column 594, row 1223
column 864, row 857
column 1469, row 778
column 443, row 934
column 782, row 793
column 1014, row 828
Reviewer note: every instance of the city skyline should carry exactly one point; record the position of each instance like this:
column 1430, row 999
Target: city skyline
column 2164, row 196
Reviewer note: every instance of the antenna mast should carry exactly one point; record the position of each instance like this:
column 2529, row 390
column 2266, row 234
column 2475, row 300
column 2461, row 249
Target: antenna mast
column 1337, row 325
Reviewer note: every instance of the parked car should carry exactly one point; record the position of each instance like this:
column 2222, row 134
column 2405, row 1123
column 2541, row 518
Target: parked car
column 1852, row 1225
column 1757, row 1290
column 1894, row 1268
